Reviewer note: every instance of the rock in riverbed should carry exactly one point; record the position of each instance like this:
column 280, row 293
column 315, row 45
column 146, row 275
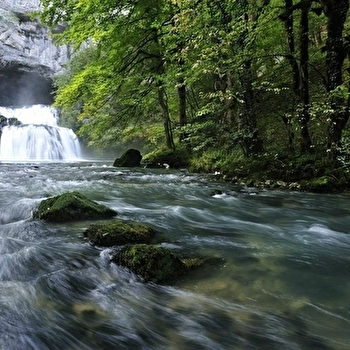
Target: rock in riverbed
column 118, row 232
column 71, row 206
column 154, row 263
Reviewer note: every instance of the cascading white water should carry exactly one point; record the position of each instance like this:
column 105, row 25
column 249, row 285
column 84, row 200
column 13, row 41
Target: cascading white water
column 38, row 137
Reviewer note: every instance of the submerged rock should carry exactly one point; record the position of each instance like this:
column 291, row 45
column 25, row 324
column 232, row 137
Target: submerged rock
column 118, row 233
column 154, row 263
column 71, row 206
column 130, row 158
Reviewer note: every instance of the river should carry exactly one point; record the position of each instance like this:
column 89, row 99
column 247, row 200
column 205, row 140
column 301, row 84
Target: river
column 284, row 280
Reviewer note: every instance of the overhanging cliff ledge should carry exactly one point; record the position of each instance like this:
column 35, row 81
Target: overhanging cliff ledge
column 28, row 57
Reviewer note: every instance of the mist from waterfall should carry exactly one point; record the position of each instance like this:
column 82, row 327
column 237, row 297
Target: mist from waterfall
column 33, row 134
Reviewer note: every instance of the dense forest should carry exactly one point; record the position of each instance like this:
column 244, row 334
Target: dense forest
column 241, row 87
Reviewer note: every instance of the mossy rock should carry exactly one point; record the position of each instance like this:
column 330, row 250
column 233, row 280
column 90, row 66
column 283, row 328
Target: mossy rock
column 118, row 233
column 130, row 158
column 154, row 263
column 167, row 158
column 71, row 206
column 320, row 184
column 195, row 263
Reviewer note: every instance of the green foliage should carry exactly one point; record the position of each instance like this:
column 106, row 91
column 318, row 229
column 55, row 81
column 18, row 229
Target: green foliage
column 216, row 160
column 165, row 157
column 343, row 151
column 115, row 72
column 194, row 134
column 232, row 57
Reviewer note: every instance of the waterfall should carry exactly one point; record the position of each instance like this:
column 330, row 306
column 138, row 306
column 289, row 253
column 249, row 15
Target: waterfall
column 33, row 134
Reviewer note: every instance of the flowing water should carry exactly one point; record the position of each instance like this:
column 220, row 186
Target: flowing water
column 33, row 133
column 281, row 281
column 284, row 280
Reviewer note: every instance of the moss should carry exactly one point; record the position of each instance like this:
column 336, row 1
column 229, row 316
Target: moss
column 130, row 158
column 153, row 263
column 118, row 233
column 315, row 172
column 175, row 159
column 193, row 263
column 157, row 264
column 319, row 184
column 71, row 206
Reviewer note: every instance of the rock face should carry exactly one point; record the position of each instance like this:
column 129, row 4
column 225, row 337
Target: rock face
column 28, row 57
column 20, row 5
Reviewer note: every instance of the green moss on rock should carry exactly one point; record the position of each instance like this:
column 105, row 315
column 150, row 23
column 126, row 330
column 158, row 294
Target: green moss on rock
column 166, row 157
column 118, row 233
column 194, row 263
column 153, row 263
column 130, row 158
column 319, row 184
column 71, row 206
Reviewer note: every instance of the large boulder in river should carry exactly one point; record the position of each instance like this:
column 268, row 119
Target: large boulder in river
column 154, row 263
column 130, row 158
column 71, row 206
column 118, row 232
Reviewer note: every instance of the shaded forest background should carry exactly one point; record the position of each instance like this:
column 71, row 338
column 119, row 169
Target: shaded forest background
column 237, row 86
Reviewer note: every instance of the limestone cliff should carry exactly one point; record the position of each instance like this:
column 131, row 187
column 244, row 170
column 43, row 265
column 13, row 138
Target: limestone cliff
column 28, row 57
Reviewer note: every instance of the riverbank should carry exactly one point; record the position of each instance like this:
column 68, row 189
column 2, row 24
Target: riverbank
column 312, row 172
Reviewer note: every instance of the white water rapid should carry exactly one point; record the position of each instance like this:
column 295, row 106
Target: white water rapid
column 38, row 137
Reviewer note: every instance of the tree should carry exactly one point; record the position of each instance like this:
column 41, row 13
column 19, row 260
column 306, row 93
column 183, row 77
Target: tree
column 251, row 141
column 304, row 113
column 218, row 39
column 128, row 54
column 336, row 12
column 300, row 72
column 288, row 19
column 220, row 73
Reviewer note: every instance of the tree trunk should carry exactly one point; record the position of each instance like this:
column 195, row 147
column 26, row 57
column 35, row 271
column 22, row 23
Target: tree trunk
column 336, row 12
column 181, row 92
column 163, row 101
column 159, row 69
column 289, row 28
column 288, row 123
column 304, row 109
column 250, row 139
column 289, row 24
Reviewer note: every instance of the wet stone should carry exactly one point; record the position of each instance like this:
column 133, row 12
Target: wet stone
column 118, row 232
column 71, row 206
